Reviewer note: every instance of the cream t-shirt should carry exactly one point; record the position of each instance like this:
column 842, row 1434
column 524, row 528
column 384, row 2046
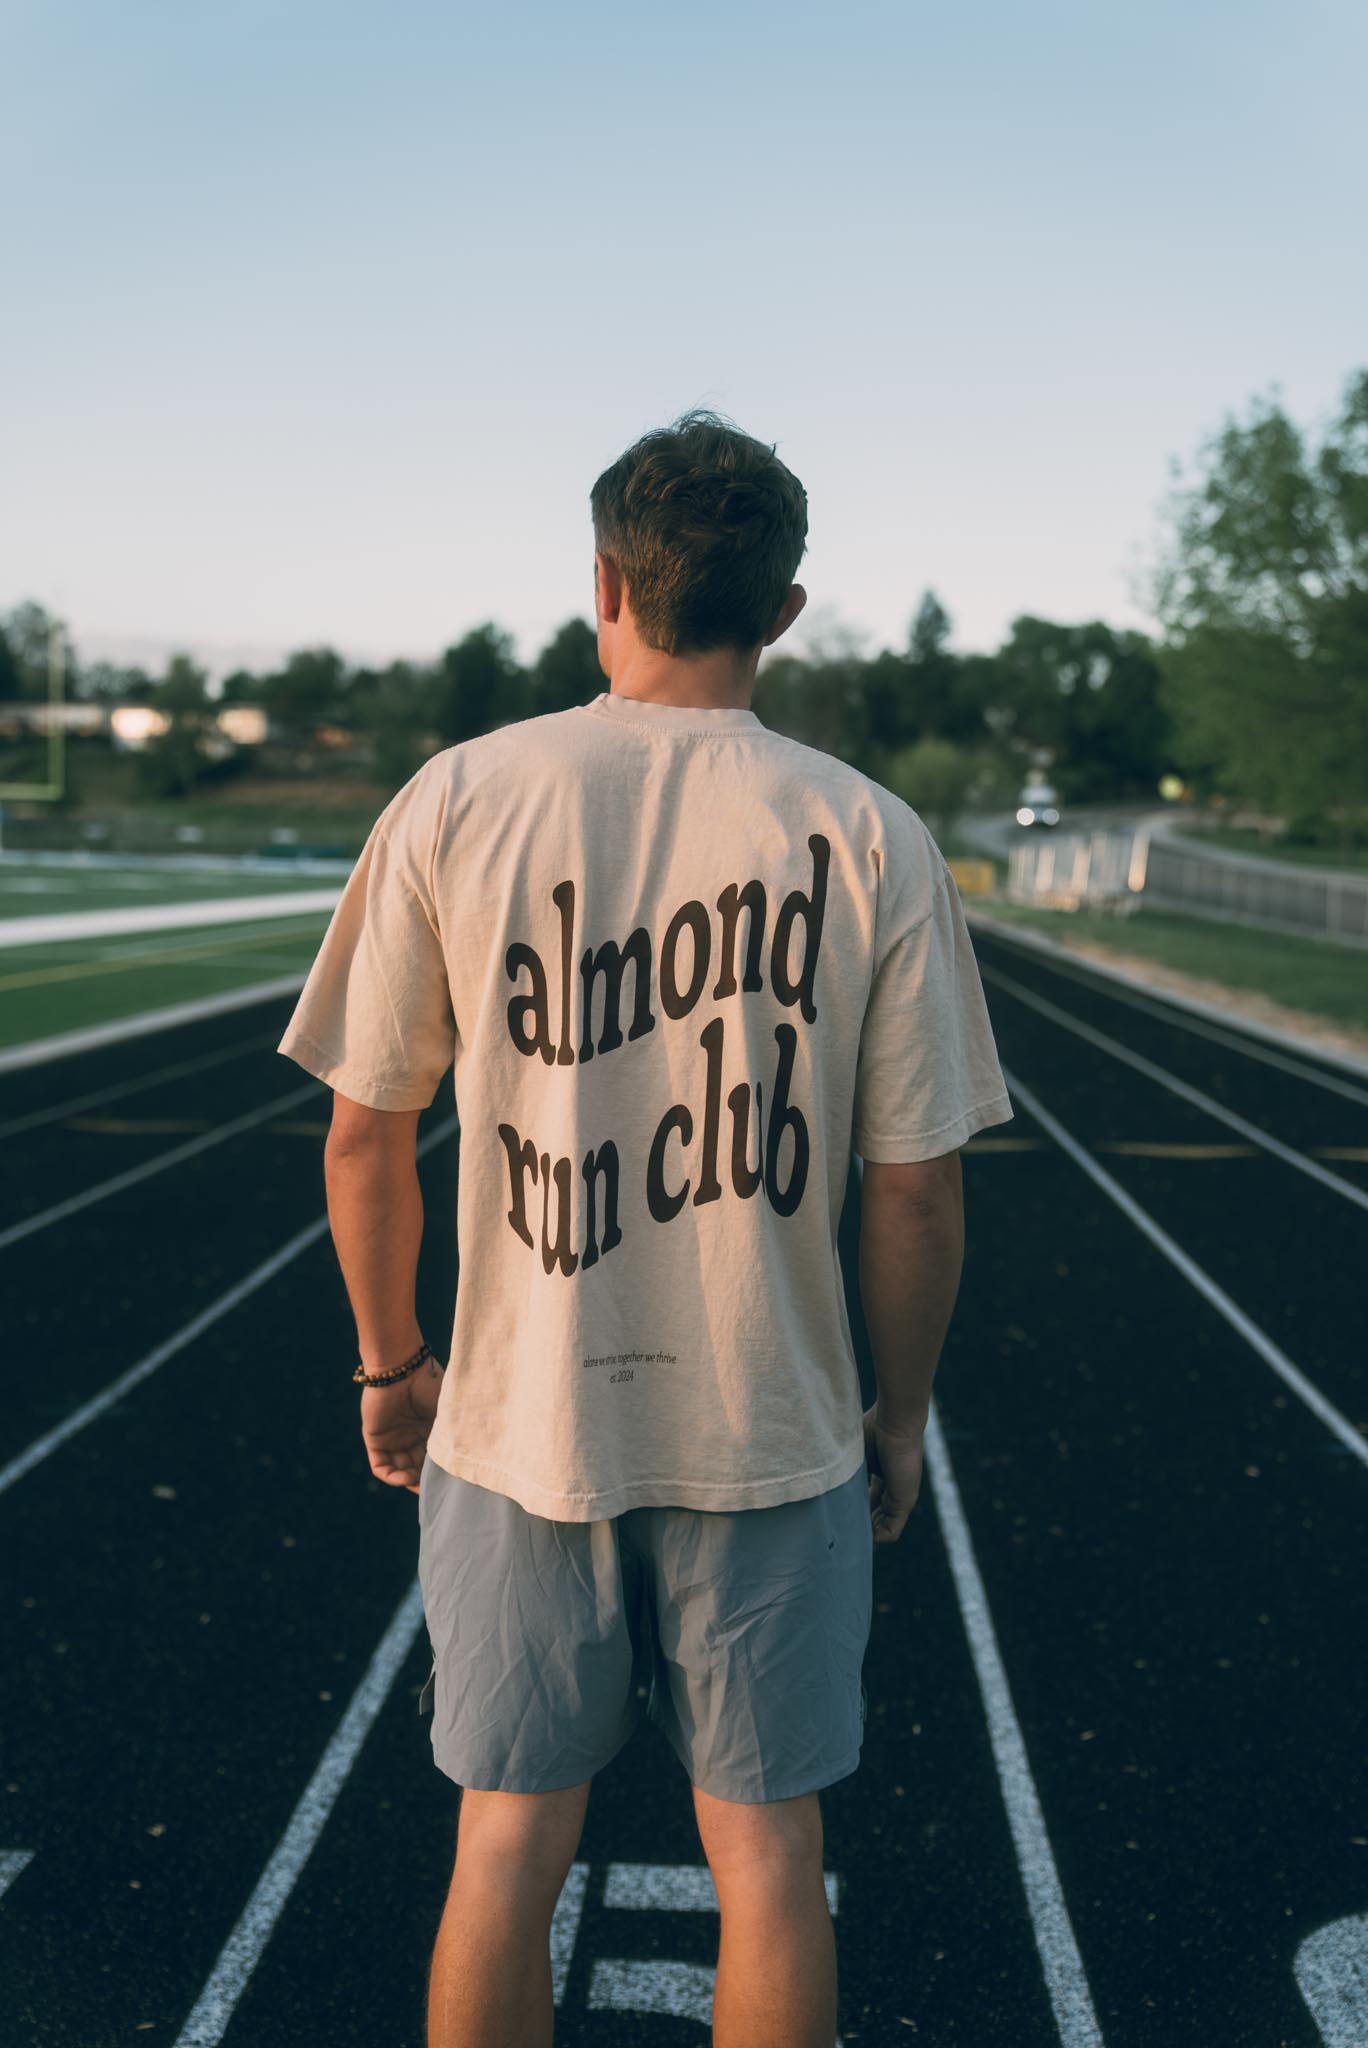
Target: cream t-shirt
column 681, row 963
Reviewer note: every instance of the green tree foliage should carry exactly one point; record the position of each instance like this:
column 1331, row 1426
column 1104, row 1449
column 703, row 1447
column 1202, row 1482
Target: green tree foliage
column 480, row 685
column 28, row 634
column 567, row 670
column 171, row 762
column 309, row 691
column 935, row 776
column 395, row 706
column 11, row 675
column 923, row 693
column 819, row 700
column 1262, row 586
column 1086, row 695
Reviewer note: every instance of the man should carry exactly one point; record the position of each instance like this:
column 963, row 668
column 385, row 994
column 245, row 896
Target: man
column 682, row 964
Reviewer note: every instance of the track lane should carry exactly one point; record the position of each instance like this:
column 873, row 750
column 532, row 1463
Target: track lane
column 1055, row 1390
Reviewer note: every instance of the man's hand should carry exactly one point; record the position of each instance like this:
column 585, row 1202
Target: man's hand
column 893, row 1460
column 396, row 1423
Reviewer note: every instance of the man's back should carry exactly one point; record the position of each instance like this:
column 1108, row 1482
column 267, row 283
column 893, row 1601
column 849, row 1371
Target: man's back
column 683, row 962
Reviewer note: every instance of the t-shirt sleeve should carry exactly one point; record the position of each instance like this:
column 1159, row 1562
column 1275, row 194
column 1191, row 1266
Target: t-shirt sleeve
column 927, row 1076
column 374, row 1018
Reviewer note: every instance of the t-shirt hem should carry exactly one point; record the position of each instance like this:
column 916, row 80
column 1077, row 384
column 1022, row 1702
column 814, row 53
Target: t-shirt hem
column 892, row 1150
column 353, row 1082
column 721, row 1497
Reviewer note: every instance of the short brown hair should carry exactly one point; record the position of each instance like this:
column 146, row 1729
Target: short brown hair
column 706, row 527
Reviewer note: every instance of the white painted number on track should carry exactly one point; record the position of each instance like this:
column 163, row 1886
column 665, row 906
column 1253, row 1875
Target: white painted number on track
column 1331, row 1968
column 678, row 1990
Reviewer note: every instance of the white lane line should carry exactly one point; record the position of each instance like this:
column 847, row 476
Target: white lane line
column 1183, row 1089
column 1324, row 1410
column 1331, row 1969
column 61, row 1045
column 1173, row 1009
column 89, row 1411
column 243, row 1949
column 103, row 1189
column 38, row 930
column 676, row 1887
column 1065, row 1978
column 175, row 1072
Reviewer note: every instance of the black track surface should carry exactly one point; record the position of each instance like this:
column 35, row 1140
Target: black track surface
column 1170, row 1542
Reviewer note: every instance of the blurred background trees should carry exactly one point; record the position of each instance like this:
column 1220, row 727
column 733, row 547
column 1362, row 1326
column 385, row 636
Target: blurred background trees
column 1255, row 688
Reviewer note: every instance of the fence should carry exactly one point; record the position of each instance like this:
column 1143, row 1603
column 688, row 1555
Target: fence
column 1120, row 870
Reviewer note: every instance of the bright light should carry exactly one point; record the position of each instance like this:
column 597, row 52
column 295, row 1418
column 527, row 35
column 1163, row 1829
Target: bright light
column 1025, row 817
column 133, row 725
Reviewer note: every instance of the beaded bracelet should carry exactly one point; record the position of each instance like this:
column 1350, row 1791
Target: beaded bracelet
column 401, row 1372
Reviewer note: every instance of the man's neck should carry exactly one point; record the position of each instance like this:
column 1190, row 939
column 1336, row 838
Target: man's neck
column 714, row 682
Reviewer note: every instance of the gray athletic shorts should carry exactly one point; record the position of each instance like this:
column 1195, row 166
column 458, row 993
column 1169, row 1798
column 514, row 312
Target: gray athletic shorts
column 740, row 1635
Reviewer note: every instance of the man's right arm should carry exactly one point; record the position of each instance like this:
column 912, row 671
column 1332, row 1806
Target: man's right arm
column 911, row 1254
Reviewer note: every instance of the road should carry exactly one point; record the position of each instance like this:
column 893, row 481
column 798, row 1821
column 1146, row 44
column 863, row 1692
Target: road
column 1113, row 1781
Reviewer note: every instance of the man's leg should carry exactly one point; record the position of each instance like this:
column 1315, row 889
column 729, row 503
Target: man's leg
column 776, row 1971
column 491, row 1969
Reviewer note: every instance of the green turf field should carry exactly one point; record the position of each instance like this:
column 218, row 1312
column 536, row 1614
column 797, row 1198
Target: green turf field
column 70, row 985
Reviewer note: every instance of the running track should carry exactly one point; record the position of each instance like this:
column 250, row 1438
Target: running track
column 1113, row 1783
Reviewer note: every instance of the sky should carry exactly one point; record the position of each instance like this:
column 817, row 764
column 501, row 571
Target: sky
column 323, row 319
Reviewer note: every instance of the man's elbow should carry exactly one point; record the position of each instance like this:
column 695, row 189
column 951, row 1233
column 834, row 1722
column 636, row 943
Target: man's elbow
column 358, row 1130
column 923, row 1191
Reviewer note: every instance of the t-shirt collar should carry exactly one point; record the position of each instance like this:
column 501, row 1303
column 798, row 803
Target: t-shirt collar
column 674, row 717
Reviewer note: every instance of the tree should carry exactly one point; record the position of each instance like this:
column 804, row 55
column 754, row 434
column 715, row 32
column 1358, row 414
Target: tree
column 935, row 777
column 11, row 677
column 395, row 705
column 1262, row 588
column 28, row 633
column 309, row 691
column 479, row 685
column 567, row 670
column 170, row 763
column 819, row 699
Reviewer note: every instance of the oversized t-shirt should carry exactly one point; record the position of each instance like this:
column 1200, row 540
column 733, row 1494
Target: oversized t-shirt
column 682, row 964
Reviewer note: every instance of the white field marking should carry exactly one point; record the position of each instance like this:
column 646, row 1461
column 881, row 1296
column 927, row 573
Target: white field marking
column 242, row 1951
column 103, row 1189
column 1065, row 1978
column 12, row 1863
column 203, row 950
column 565, row 1927
column 1331, row 1969
column 36, row 1051
column 1255, row 1134
column 677, row 1887
column 43, row 1446
column 148, row 917
column 682, row 1990
column 1324, row 1410
column 1176, row 1009
column 75, row 1103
